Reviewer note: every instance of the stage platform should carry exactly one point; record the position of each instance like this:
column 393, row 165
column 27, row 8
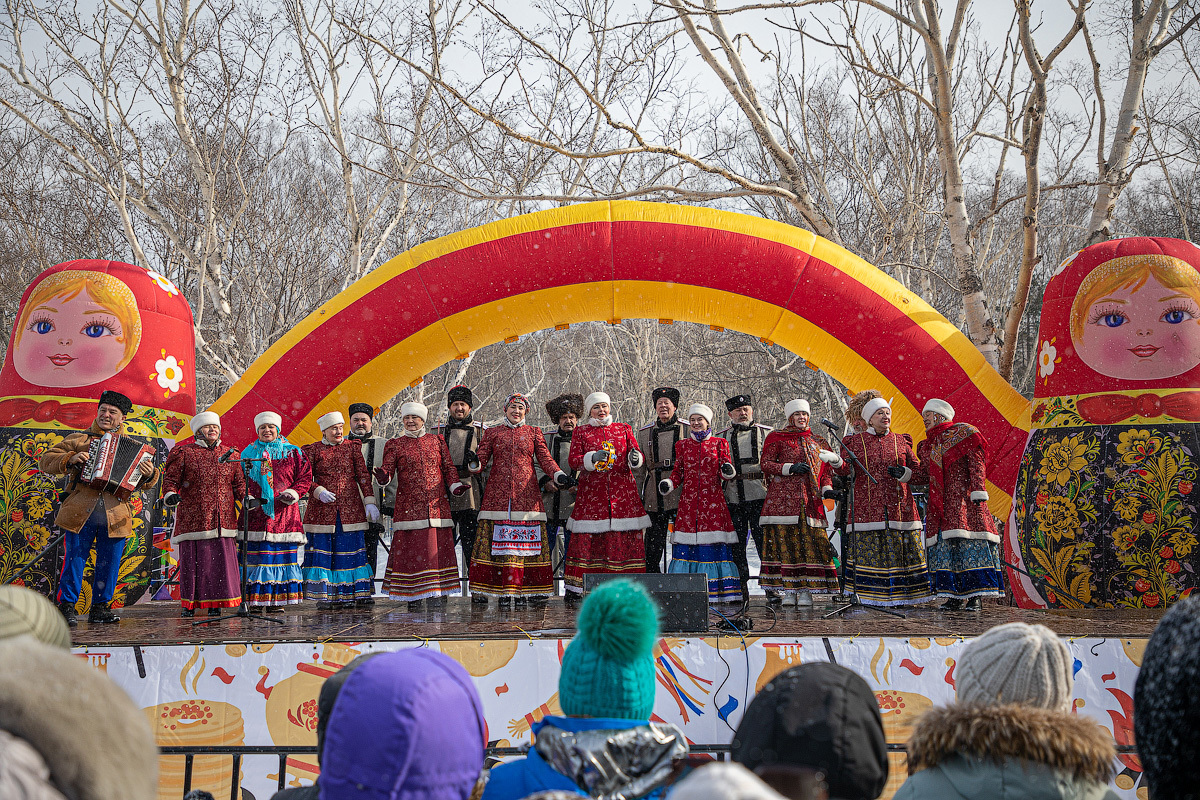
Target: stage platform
column 159, row 623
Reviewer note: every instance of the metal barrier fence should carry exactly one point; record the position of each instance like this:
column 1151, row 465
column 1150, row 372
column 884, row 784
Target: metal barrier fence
column 719, row 751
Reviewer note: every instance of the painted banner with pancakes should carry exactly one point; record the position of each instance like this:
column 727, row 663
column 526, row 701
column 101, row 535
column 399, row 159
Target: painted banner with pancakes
column 266, row 694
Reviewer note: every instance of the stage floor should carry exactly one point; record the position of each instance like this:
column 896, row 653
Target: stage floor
column 159, row 623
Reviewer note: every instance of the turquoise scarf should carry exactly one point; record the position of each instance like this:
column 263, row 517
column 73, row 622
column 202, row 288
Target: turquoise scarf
column 262, row 472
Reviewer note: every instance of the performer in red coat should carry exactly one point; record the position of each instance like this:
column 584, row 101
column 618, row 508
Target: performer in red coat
column 608, row 520
column 422, row 564
column 964, row 545
column 206, row 522
column 703, row 528
column 279, row 476
column 335, row 560
column 885, row 559
column 797, row 558
column 512, row 554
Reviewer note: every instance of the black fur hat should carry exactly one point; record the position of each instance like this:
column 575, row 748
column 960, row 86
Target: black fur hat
column 668, row 392
column 460, row 393
column 117, row 400
column 569, row 403
column 362, row 408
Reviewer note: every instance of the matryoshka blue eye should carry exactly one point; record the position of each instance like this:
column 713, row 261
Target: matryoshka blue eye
column 96, row 331
column 1176, row 316
column 1113, row 320
column 42, row 326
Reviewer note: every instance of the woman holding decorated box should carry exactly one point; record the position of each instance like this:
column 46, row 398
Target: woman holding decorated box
column 422, row 565
column 279, row 476
column 511, row 558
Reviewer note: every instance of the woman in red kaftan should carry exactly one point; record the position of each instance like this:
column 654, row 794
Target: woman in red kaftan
column 608, row 520
column 797, row 558
column 512, row 554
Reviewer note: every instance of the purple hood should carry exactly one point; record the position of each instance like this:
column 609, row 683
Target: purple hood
column 406, row 726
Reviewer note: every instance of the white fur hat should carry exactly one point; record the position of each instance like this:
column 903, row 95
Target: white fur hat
column 414, row 408
column 593, row 398
column 939, row 407
column 202, row 419
column 268, row 418
column 872, row 406
column 795, row 405
column 702, row 410
column 332, row 418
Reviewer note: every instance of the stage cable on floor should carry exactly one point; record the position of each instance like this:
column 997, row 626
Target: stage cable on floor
column 729, row 669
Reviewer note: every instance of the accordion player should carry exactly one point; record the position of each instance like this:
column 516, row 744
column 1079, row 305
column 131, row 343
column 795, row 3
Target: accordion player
column 114, row 463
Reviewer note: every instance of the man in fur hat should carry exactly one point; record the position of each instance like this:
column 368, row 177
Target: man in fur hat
column 745, row 494
column 565, row 411
column 362, row 423
column 463, row 435
column 92, row 518
column 657, row 443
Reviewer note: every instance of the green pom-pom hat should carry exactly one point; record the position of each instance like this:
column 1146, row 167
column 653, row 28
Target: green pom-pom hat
column 608, row 669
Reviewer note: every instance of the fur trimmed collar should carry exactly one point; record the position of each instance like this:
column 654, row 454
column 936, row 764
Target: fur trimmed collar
column 1058, row 740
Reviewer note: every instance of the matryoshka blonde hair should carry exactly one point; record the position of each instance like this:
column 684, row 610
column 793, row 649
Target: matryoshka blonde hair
column 1131, row 272
column 107, row 291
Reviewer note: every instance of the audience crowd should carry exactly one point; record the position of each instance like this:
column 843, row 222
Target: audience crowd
column 409, row 725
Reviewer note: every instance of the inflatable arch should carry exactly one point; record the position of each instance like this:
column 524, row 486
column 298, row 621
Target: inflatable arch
column 608, row 261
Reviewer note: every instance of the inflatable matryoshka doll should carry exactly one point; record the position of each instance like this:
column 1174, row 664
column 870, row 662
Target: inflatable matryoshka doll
column 1105, row 500
column 83, row 327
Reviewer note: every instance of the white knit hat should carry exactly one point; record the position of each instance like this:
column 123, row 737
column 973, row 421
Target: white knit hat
column 414, row 408
column 939, row 407
column 202, row 419
column 332, row 418
column 702, row 410
column 872, row 406
column 1016, row 663
column 723, row 781
column 593, row 398
column 268, row 418
column 793, row 406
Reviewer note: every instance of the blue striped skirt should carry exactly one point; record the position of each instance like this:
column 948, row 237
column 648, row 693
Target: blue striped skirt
column 273, row 576
column 335, row 567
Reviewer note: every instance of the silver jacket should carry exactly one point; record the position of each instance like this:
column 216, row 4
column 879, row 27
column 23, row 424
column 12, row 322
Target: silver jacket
column 615, row 764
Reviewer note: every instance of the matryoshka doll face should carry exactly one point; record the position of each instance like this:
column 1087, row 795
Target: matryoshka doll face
column 1141, row 332
column 71, row 339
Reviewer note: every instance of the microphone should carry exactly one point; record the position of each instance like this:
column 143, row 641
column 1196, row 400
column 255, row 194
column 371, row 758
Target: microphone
column 229, row 454
column 828, row 424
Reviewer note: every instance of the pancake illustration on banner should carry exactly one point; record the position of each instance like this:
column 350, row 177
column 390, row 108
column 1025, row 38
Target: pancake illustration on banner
column 1106, row 490
column 195, row 723
column 83, row 327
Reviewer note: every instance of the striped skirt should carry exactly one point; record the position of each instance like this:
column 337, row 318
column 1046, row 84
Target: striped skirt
column 273, row 576
column 335, row 567
column 797, row 558
column 713, row 561
column 608, row 553
column 966, row 568
column 495, row 575
column 422, row 565
column 887, row 567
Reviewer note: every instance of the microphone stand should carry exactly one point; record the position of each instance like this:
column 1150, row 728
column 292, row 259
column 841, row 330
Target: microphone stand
column 850, row 546
column 243, row 609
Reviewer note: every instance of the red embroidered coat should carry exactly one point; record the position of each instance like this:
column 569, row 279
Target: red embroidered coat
column 292, row 472
column 341, row 469
column 789, row 496
column 606, row 501
column 424, row 474
column 953, row 463
column 512, row 492
column 206, row 490
column 888, row 503
column 703, row 517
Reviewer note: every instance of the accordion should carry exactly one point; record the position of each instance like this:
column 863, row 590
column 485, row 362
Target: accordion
column 113, row 462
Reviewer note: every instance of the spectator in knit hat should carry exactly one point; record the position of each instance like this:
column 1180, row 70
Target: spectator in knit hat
column 24, row 612
column 406, row 726
column 815, row 722
column 1166, row 709
column 1011, row 734
column 605, row 744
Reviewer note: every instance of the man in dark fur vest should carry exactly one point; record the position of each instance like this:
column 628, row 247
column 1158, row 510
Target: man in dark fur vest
column 362, row 424
column 565, row 411
column 745, row 493
column 463, row 435
column 657, row 443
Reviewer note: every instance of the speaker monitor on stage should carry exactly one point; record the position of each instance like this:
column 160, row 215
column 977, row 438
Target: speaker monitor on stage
column 682, row 598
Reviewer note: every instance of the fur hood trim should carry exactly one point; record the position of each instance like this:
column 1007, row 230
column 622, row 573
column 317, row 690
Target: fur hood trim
column 1063, row 742
column 96, row 742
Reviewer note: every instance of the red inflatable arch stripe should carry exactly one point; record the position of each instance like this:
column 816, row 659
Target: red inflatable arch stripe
column 608, row 261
